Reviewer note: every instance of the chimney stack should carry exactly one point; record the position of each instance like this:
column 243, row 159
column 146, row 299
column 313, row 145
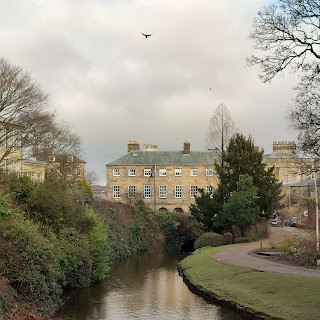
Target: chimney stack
column 186, row 147
column 133, row 145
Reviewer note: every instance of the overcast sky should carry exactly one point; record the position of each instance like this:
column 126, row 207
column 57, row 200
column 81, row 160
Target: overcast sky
column 112, row 84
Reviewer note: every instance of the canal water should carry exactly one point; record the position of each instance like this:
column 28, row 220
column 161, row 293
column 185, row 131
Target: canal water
column 146, row 287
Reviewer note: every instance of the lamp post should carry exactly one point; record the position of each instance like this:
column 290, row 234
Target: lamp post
column 317, row 204
column 153, row 171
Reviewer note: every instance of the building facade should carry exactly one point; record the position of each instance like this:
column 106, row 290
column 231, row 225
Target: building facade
column 165, row 180
column 289, row 165
column 169, row 180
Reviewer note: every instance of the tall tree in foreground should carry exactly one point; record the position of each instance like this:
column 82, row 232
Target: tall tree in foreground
column 243, row 158
column 221, row 129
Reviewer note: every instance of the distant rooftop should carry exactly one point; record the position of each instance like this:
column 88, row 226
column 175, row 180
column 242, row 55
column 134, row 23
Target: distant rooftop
column 167, row 158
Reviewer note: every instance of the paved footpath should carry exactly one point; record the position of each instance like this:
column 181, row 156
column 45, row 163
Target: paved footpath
column 240, row 256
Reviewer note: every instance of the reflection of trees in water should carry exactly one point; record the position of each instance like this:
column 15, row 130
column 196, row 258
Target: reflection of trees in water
column 137, row 288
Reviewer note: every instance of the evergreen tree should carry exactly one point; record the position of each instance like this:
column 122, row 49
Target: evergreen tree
column 205, row 208
column 241, row 158
column 241, row 209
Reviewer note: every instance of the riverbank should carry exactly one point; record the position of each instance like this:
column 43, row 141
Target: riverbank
column 253, row 294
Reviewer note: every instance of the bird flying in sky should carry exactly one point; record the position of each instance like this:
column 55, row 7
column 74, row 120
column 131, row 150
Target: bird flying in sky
column 146, row 35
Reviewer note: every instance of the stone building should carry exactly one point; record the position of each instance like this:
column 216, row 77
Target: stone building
column 168, row 180
column 12, row 160
column 165, row 180
column 294, row 169
column 289, row 165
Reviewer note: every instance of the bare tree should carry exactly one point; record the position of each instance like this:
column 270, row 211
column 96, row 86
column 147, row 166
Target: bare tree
column 92, row 177
column 288, row 37
column 221, row 129
column 288, row 34
column 304, row 117
column 46, row 137
column 18, row 94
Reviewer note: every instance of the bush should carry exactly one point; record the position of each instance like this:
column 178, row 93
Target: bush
column 98, row 244
column 227, row 238
column 242, row 240
column 169, row 223
column 260, row 230
column 29, row 261
column 236, row 231
column 211, row 239
column 300, row 248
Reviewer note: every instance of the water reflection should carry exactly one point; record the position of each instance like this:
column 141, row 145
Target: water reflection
column 145, row 287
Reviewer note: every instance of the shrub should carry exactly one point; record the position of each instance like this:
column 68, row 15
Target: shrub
column 227, row 238
column 136, row 238
column 98, row 244
column 211, row 239
column 28, row 260
column 74, row 258
column 300, row 248
column 242, row 240
column 236, row 231
column 169, row 223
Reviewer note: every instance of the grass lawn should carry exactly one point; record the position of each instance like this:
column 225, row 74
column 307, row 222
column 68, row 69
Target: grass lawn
column 278, row 295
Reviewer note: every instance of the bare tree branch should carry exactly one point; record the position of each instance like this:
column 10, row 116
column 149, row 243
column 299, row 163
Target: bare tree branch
column 221, row 129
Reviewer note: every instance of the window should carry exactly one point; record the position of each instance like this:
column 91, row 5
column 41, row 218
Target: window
column 193, row 172
column 147, row 172
column 132, row 172
column 209, row 172
column 193, row 191
column 116, row 191
column 147, row 191
column 178, row 172
column 286, row 178
column 178, row 192
column 162, row 192
column 131, row 191
column 116, row 172
column 162, row 172
column 209, row 189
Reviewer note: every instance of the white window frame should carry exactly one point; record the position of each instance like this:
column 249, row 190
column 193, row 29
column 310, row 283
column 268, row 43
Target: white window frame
column 131, row 192
column 132, row 172
column 193, row 191
column 147, row 191
column 209, row 172
column 162, row 192
column 116, row 192
column 178, row 191
column 116, row 172
column 178, row 172
column 193, row 172
column 147, row 172
column 162, row 172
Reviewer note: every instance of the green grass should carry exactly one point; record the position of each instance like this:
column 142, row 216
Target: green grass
column 278, row 295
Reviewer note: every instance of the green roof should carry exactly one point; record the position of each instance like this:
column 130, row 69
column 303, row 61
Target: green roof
column 167, row 158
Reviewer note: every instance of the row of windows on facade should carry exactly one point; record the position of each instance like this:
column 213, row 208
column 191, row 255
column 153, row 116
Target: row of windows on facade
column 163, row 191
column 162, row 172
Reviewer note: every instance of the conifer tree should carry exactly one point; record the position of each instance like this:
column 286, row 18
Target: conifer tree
column 243, row 158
